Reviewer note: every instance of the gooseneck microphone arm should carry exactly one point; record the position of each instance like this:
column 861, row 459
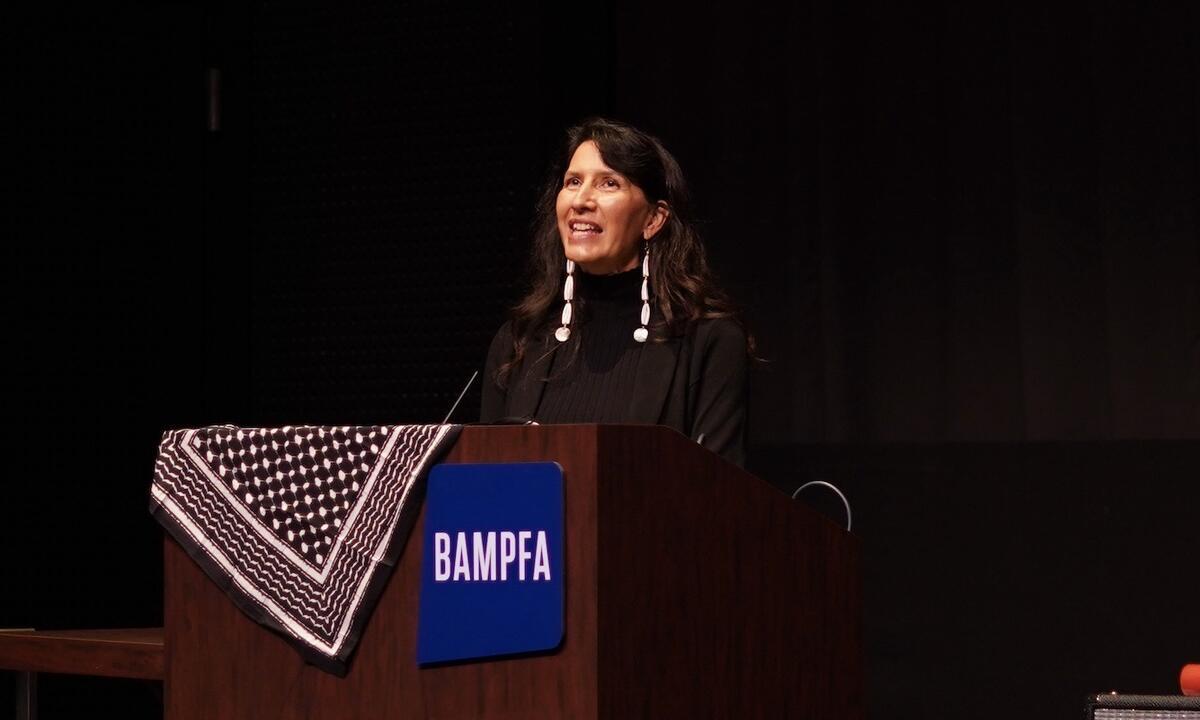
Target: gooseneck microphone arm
column 460, row 397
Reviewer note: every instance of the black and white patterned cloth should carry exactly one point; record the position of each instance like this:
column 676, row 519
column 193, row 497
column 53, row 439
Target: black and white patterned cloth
column 301, row 526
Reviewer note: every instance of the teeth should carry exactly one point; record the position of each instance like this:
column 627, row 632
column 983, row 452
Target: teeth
column 584, row 226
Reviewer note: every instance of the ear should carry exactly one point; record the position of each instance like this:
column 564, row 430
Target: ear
column 656, row 219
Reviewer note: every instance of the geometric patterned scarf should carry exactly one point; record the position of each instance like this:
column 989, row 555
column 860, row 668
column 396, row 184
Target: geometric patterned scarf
column 300, row 526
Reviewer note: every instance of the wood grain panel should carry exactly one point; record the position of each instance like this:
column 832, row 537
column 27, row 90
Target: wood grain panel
column 720, row 597
column 694, row 589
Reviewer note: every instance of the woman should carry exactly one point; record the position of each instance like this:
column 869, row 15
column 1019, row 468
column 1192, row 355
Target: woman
column 623, row 323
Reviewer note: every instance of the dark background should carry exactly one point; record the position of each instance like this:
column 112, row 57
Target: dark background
column 966, row 237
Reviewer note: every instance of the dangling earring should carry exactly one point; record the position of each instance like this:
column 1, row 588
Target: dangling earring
column 564, row 332
column 642, row 333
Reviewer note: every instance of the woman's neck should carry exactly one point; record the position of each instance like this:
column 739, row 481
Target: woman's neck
column 616, row 287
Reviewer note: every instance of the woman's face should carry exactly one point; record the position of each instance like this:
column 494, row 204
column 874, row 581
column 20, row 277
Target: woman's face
column 602, row 216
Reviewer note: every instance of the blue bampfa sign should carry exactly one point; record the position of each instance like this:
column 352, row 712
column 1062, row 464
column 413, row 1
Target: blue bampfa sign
column 492, row 565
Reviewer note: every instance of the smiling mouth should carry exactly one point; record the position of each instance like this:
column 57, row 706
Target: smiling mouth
column 578, row 226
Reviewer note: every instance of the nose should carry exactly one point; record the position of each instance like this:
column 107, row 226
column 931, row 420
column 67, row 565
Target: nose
column 583, row 197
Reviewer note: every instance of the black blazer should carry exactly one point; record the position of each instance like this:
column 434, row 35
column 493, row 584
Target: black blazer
column 695, row 384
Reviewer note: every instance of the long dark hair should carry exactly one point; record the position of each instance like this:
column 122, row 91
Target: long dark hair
column 682, row 286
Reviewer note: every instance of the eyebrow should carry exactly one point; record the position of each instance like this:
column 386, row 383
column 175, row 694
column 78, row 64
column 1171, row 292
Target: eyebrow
column 568, row 172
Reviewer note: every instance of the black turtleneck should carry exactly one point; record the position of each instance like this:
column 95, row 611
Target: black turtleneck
column 591, row 377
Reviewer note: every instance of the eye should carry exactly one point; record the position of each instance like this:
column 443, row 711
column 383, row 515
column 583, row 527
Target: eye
column 571, row 182
column 611, row 183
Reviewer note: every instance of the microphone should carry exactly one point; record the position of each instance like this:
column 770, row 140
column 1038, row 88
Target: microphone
column 501, row 421
column 831, row 486
column 460, row 396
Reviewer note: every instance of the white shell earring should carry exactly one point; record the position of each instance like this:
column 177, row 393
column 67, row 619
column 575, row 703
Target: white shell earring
column 642, row 333
column 564, row 332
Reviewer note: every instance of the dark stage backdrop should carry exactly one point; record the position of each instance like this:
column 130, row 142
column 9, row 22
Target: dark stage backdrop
column 105, row 283
column 950, row 222
column 965, row 237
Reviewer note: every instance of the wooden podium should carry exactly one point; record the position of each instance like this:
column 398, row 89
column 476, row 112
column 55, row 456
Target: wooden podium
column 694, row 589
